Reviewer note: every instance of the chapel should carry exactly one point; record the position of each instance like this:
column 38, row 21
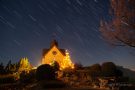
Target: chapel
column 56, row 54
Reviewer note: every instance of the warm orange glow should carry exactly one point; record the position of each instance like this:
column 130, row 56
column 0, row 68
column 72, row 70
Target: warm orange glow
column 61, row 56
column 63, row 60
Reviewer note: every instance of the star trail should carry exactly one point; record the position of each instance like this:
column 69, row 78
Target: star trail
column 28, row 26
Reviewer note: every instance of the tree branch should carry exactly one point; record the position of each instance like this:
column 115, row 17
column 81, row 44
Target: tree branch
column 127, row 43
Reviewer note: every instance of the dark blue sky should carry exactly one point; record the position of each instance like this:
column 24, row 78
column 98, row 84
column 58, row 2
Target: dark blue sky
column 28, row 26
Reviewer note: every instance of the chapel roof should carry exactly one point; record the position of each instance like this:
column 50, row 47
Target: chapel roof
column 53, row 43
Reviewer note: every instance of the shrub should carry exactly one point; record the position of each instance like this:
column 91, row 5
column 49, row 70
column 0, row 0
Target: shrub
column 45, row 72
column 108, row 69
column 27, row 77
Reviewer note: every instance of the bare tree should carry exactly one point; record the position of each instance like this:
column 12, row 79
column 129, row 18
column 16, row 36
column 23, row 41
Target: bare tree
column 120, row 30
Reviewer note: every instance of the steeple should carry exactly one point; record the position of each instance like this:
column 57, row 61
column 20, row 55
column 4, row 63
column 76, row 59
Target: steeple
column 54, row 43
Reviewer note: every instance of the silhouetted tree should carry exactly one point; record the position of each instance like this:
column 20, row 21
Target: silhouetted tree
column 95, row 70
column 17, row 66
column 2, row 70
column 120, row 30
column 96, row 67
column 13, row 68
column 1, row 66
column 78, row 66
column 108, row 69
column 45, row 72
column 8, row 66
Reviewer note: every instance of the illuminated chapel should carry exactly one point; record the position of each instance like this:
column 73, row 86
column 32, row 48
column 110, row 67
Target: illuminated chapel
column 54, row 53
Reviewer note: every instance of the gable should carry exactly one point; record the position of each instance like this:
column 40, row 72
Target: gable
column 46, row 51
column 54, row 51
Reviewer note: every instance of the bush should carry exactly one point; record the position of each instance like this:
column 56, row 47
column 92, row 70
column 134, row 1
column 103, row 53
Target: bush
column 27, row 77
column 45, row 72
column 108, row 69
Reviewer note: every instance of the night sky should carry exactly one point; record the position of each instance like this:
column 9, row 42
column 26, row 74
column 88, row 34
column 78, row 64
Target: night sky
column 28, row 26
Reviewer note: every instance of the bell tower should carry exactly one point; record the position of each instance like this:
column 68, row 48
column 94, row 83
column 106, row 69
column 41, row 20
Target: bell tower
column 54, row 43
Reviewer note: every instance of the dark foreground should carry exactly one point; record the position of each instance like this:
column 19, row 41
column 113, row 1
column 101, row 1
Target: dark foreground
column 51, row 85
column 37, row 87
column 72, row 89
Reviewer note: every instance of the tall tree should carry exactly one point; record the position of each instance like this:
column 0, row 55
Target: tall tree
column 1, row 68
column 8, row 66
column 24, row 65
column 120, row 30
